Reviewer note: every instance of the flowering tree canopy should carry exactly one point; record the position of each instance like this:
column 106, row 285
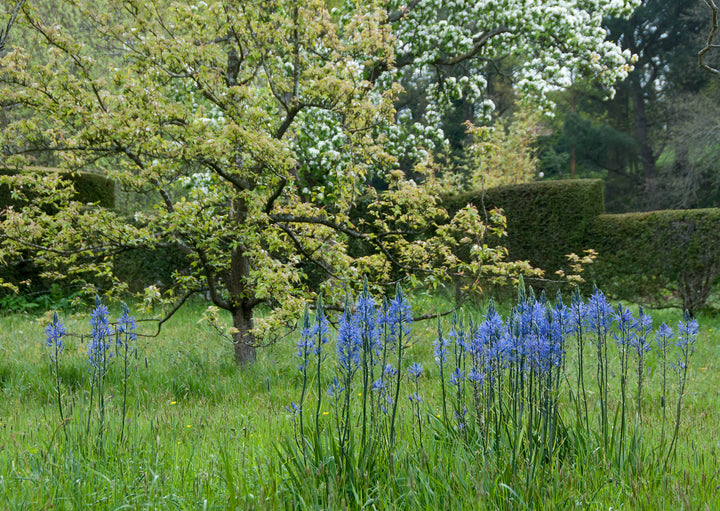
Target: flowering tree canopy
column 256, row 125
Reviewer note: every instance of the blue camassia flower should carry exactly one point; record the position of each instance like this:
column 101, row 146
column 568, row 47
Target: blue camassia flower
column 399, row 315
column 415, row 370
column 54, row 333
column 100, row 333
column 599, row 313
column 687, row 334
column 126, row 325
column 663, row 336
column 349, row 343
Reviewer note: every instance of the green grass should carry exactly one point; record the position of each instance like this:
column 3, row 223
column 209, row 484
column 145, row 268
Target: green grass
column 203, row 434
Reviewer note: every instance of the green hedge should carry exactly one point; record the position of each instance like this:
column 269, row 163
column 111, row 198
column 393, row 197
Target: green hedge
column 545, row 220
column 650, row 254
column 142, row 267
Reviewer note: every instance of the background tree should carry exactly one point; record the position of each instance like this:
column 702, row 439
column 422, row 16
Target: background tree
column 252, row 128
column 5, row 32
column 639, row 139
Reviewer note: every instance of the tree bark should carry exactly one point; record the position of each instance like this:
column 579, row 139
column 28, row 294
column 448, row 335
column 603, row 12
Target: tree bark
column 647, row 158
column 242, row 298
column 243, row 339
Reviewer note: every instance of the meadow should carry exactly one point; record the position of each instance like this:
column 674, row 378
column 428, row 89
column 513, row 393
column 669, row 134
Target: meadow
column 200, row 433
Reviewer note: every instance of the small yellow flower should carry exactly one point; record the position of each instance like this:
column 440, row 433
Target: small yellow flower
column 325, row 413
column 189, row 426
column 173, row 402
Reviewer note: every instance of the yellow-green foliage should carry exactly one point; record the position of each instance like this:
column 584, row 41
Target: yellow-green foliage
column 88, row 187
column 504, row 154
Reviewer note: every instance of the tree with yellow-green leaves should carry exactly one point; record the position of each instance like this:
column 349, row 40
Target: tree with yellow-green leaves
column 257, row 126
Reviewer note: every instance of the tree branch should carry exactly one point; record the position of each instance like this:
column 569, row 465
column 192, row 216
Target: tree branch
column 295, row 219
column 5, row 33
column 407, row 59
column 353, row 234
column 306, row 253
column 479, row 42
column 289, row 118
column 239, row 182
column 210, row 278
column 170, row 314
column 402, row 11
column 278, row 191
column 710, row 44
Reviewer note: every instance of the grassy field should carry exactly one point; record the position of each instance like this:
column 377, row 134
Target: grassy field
column 200, row 433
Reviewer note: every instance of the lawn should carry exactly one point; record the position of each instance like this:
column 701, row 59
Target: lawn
column 200, row 433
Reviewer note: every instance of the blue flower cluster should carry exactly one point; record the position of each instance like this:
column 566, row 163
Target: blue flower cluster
column 535, row 333
column 54, row 333
column 102, row 333
column 509, row 371
column 500, row 378
column 371, row 340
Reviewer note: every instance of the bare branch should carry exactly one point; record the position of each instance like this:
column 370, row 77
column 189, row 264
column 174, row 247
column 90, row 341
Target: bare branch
column 167, row 316
column 402, row 11
column 6, row 32
column 710, row 44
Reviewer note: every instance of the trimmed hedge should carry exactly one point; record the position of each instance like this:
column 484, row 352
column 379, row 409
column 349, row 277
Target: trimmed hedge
column 641, row 255
column 545, row 220
column 646, row 254
column 89, row 187
column 142, row 267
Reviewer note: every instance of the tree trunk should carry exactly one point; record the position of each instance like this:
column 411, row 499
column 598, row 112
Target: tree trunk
column 647, row 158
column 243, row 339
column 242, row 297
column 685, row 187
column 573, row 157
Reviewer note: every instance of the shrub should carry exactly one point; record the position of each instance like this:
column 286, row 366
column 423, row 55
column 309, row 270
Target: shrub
column 643, row 254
